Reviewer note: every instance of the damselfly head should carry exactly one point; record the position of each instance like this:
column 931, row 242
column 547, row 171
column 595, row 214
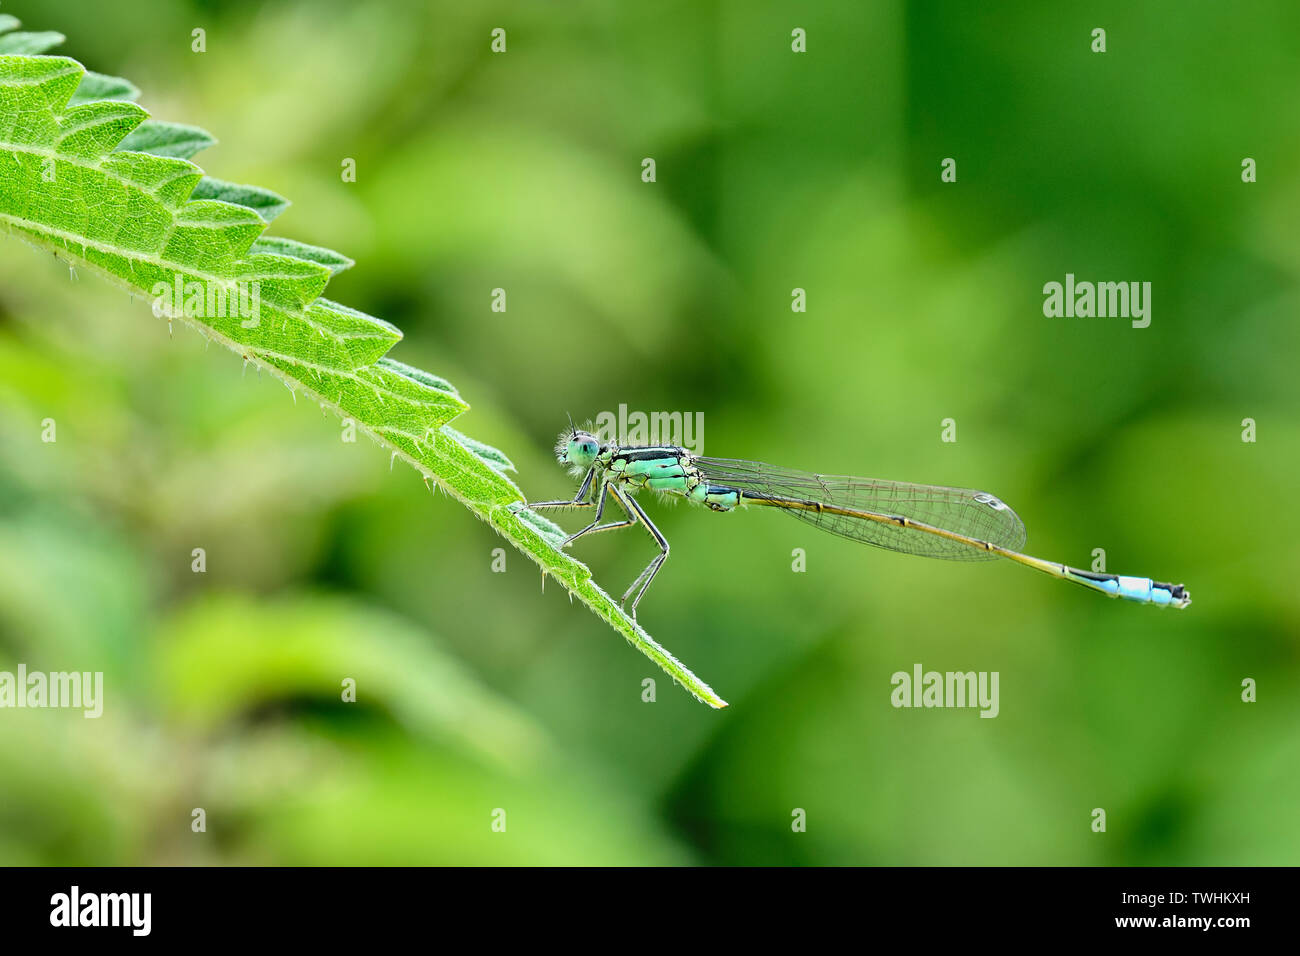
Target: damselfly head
column 578, row 449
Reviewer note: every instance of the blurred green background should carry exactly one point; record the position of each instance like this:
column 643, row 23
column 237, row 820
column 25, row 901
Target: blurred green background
column 479, row 690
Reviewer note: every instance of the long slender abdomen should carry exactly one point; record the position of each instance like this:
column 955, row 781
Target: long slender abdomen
column 1142, row 590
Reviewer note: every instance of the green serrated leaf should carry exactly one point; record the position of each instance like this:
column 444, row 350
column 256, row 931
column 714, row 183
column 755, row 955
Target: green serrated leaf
column 496, row 459
column 265, row 203
column 97, row 86
column 336, row 262
column 27, row 44
column 363, row 337
column 168, row 139
column 106, row 188
column 433, row 381
column 93, row 129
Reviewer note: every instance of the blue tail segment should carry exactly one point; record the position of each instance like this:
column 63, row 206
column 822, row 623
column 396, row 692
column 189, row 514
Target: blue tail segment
column 1141, row 590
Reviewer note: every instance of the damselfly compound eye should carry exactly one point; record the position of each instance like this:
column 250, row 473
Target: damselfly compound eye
column 582, row 449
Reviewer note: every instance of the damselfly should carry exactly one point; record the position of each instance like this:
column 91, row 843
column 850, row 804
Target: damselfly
column 959, row 524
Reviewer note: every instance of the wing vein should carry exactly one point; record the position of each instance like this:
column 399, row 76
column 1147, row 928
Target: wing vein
column 965, row 511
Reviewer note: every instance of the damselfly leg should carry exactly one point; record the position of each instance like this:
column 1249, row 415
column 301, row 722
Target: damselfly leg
column 595, row 527
column 635, row 513
column 635, row 510
column 577, row 501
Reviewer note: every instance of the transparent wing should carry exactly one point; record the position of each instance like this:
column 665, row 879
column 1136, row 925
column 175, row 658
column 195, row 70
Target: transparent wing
column 965, row 511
